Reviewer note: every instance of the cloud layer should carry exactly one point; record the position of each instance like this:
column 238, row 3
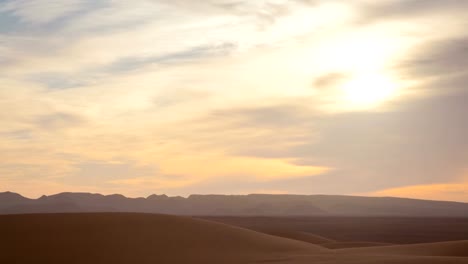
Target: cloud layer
column 177, row 97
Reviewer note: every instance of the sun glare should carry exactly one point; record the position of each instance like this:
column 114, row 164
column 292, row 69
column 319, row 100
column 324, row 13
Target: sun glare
column 367, row 90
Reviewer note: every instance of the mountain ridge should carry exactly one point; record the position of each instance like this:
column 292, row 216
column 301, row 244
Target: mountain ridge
column 239, row 205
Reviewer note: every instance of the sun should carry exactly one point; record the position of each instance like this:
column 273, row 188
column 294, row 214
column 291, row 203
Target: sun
column 367, row 90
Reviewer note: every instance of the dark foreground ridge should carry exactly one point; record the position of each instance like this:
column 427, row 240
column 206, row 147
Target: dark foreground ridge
column 120, row 238
column 233, row 205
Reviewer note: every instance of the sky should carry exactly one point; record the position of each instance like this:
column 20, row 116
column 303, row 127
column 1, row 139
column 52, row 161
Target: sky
column 187, row 97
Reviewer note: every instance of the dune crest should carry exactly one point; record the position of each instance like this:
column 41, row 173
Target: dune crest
column 449, row 248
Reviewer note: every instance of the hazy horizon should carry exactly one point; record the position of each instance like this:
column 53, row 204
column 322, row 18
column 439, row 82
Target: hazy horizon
column 224, row 194
column 145, row 97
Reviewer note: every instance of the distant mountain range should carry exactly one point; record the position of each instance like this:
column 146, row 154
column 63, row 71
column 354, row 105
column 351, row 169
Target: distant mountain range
column 233, row 205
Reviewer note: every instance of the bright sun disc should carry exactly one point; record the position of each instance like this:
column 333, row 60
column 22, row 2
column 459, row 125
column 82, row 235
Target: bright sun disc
column 368, row 90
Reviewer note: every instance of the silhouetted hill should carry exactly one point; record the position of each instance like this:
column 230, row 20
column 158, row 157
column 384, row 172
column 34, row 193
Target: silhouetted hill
column 236, row 205
column 9, row 199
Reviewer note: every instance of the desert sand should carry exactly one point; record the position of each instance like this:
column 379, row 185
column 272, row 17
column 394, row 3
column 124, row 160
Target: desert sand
column 389, row 229
column 150, row 238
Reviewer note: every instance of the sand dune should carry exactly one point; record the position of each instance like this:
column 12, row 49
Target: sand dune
column 323, row 241
column 302, row 236
column 450, row 248
column 148, row 238
column 393, row 230
column 368, row 259
column 357, row 244
column 135, row 238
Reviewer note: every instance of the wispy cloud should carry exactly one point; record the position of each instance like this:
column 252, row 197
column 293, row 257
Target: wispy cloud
column 447, row 192
column 41, row 11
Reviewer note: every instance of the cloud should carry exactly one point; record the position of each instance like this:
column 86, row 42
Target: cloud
column 265, row 12
column 112, row 34
column 41, row 11
column 330, row 80
column 230, row 96
column 438, row 58
column 447, row 192
column 400, row 9
column 99, row 73
column 200, row 52
column 58, row 121
column 17, row 134
column 249, row 131
column 100, row 173
column 419, row 141
column 57, row 80
column 260, row 169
